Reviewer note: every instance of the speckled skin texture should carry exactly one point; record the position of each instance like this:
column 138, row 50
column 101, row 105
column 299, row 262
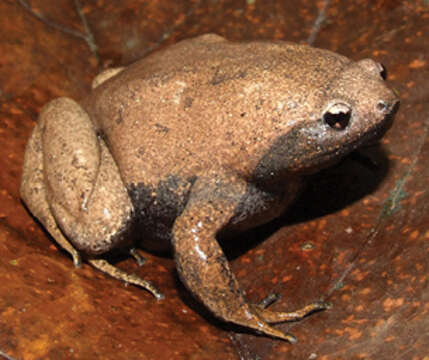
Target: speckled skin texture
column 203, row 139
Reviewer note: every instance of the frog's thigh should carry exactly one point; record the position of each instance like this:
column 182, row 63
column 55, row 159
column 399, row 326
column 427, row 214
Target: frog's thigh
column 201, row 263
column 33, row 193
column 84, row 188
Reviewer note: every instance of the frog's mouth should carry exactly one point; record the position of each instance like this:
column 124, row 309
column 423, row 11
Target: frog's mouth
column 310, row 147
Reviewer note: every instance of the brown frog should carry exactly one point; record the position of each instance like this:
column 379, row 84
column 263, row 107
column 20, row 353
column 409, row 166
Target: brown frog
column 201, row 140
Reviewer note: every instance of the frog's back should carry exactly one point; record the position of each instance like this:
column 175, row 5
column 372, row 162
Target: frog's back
column 206, row 103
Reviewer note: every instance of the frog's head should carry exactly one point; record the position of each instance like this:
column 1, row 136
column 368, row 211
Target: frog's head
column 357, row 107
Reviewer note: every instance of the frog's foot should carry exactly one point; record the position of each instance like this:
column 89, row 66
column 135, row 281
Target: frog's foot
column 259, row 318
column 137, row 257
column 273, row 317
column 119, row 274
column 247, row 316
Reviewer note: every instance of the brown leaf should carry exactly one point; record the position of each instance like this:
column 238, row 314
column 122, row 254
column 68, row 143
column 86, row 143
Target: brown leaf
column 357, row 237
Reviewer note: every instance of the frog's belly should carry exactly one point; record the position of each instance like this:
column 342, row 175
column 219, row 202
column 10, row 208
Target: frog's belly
column 258, row 207
column 156, row 209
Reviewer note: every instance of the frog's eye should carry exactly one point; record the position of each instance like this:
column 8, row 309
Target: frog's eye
column 373, row 67
column 337, row 116
column 383, row 72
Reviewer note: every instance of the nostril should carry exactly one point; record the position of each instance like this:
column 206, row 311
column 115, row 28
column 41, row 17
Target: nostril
column 382, row 106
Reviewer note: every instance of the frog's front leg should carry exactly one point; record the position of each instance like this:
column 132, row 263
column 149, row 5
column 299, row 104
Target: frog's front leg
column 203, row 266
column 72, row 185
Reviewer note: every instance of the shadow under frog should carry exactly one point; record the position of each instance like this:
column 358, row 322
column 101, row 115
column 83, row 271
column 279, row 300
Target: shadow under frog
column 156, row 209
column 138, row 152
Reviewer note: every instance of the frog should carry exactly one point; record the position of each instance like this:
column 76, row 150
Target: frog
column 195, row 143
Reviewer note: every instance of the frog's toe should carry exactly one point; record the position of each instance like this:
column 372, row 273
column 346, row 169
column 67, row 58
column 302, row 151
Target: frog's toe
column 250, row 318
column 137, row 257
column 77, row 259
column 280, row 316
column 119, row 274
column 275, row 333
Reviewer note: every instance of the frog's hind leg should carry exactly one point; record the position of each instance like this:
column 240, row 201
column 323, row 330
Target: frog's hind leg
column 84, row 197
column 33, row 193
